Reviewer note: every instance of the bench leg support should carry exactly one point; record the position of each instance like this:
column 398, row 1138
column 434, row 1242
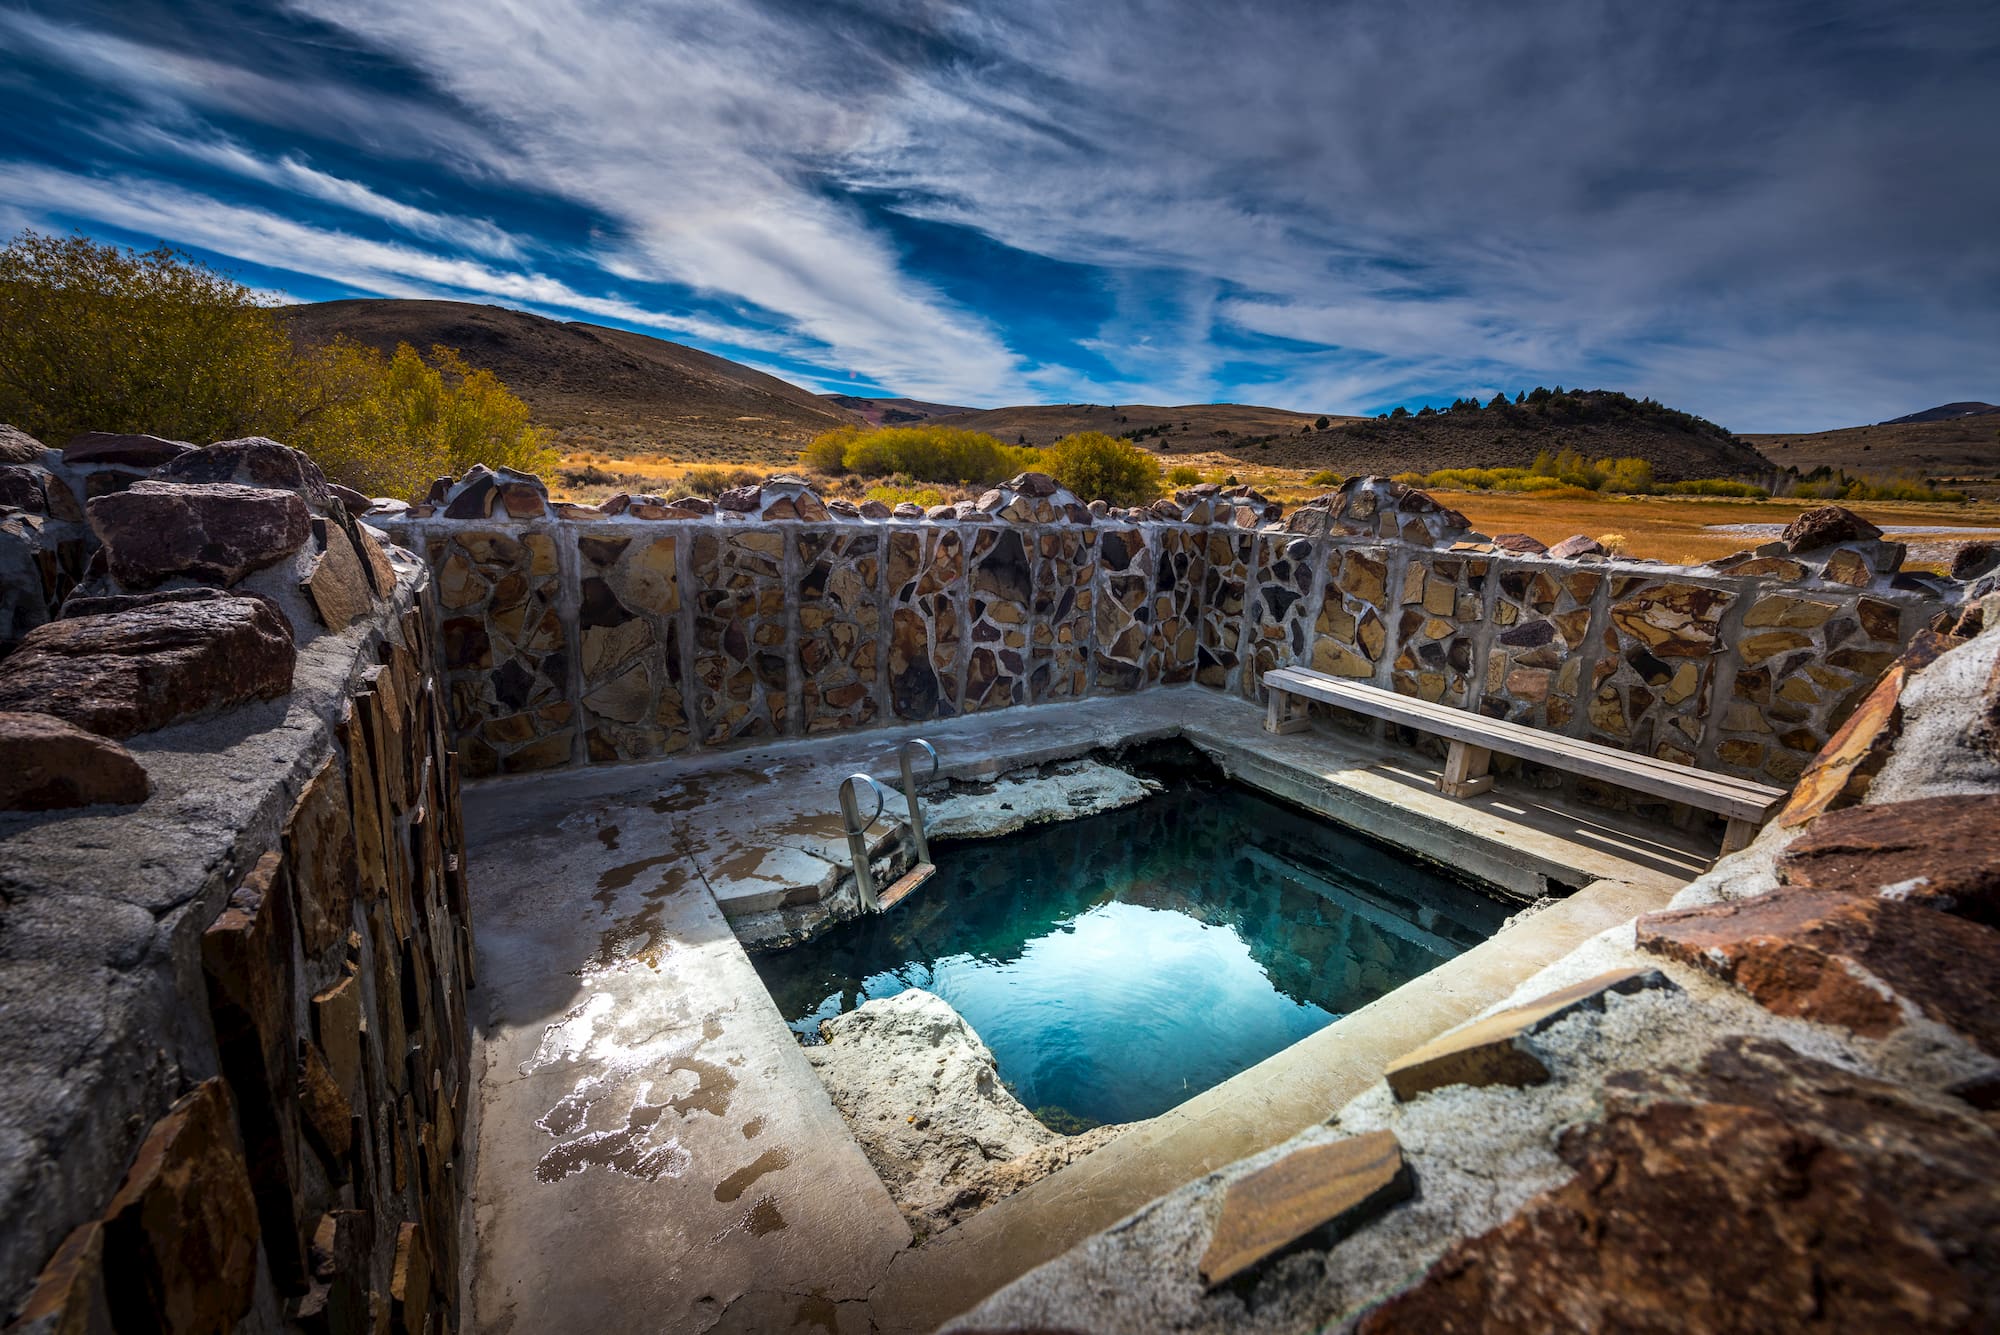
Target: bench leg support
column 1285, row 712
column 1738, row 836
column 1465, row 771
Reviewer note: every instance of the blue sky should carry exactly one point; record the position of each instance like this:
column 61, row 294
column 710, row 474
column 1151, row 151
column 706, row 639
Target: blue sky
column 1782, row 216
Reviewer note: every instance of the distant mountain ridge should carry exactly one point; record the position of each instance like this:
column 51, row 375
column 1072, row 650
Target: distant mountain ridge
column 1946, row 412
column 893, row 412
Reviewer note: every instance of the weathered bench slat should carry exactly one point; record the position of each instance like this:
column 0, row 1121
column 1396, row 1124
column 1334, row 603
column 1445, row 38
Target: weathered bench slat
column 1738, row 799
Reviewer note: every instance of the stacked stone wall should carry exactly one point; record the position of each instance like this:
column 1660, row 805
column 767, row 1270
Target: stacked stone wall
column 687, row 624
column 234, row 941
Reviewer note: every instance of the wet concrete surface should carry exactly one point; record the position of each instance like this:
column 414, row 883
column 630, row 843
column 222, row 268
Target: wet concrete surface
column 654, row 1153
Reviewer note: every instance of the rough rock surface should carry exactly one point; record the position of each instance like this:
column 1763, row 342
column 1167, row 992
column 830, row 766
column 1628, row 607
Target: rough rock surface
column 924, row 1099
column 253, row 462
column 1842, row 959
column 46, row 764
column 1826, row 526
column 110, row 447
column 143, row 668
column 1062, row 791
column 1799, row 1193
column 214, row 532
column 1943, row 852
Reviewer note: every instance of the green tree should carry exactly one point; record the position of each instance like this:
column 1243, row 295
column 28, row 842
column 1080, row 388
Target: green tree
column 387, row 425
column 1098, row 467
column 99, row 338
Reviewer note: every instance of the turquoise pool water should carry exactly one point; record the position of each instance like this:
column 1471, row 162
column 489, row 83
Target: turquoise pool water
column 1120, row 964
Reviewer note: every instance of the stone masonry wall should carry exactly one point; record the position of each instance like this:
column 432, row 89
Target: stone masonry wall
column 234, row 945
column 581, row 634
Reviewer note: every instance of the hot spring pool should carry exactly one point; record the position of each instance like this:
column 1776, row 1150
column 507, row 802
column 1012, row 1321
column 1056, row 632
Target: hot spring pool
column 1119, row 964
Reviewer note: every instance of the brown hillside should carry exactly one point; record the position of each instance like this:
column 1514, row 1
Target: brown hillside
column 1964, row 447
column 1596, row 423
column 598, row 388
column 893, row 412
column 1191, row 428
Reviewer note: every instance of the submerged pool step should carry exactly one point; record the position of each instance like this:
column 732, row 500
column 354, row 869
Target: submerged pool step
column 907, row 882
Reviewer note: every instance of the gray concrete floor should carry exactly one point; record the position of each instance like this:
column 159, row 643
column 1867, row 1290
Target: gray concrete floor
column 655, row 1154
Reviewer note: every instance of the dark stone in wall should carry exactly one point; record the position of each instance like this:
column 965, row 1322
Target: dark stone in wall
column 135, row 670
column 218, row 533
column 47, row 764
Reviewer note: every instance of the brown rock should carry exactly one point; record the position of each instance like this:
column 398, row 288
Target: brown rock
column 327, row 1112
column 1521, row 544
column 410, row 1283
column 159, row 663
column 1940, row 852
column 1829, row 957
column 1975, row 559
column 350, row 500
column 17, row 446
column 319, row 845
column 47, row 764
column 1801, row 1200
column 253, row 462
column 180, row 1235
column 1491, row 1052
column 248, row 964
column 24, row 487
column 1321, row 1192
column 1827, row 525
column 216, row 533
column 109, row 447
column 1582, row 544
column 69, row 1296
column 338, row 584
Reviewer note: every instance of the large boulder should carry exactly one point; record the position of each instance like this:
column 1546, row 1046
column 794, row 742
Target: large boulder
column 925, row 1100
column 1827, row 525
column 46, row 764
column 253, row 462
column 214, row 532
column 152, row 663
column 17, row 446
column 110, row 447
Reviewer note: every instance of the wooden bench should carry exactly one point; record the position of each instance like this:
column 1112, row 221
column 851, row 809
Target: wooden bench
column 1474, row 738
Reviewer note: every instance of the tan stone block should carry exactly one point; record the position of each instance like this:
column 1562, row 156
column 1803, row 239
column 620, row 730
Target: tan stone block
column 319, row 846
column 1332, row 1188
column 1607, row 713
column 1416, row 578
column 541, row 553
column 1363, row 577
column 1491, row 1052
column 1799, row 689
column 1741, row 716
column 1331, row 658
column 1440, row 598
column 1682, row 685
column 1756, row 648
column 1336, row 620
column 1569, row 677
column 1505, row 613
column 1740, row 753
column 1796, row 613
column 1374, row 636
column 338, row 584
column 1846, row 566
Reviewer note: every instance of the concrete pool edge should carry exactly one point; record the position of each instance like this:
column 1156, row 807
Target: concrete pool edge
column 1263, row 1106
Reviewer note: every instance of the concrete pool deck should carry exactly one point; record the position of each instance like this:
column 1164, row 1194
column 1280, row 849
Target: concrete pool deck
column 654, row 1151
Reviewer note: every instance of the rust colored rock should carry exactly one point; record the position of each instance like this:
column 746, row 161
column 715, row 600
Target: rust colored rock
column 327, row 1113
column 1941, row 852
column 149, row 666
column 1842, row 771
column 47, row 764
column 1828, row 957
column 180, row 1236
column 1581, row 544
column 350, row 500
column 1520, row 544
column 1801, row 1200
column 69, row 1296
column 1322, row 1191
column 1827, row 525
column 1975, row 559
column 110, row 447
column 741, row 500
column 213, row 532
column 319, row 844
column 254, row 461
column 249, row 970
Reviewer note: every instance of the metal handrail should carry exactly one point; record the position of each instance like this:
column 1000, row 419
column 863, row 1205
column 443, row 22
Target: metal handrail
column 910, row 792
column 857, row 836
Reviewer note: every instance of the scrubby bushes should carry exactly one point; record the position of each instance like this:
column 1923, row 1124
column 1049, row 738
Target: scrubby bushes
column 713, row 480
column 1828, row 484
column 949, row 455
column 1569, row 474
column 1325, row 477
column 1098, row 467
column 1183, row 475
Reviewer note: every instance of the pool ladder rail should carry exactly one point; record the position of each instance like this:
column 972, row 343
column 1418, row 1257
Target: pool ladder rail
column 872, row 900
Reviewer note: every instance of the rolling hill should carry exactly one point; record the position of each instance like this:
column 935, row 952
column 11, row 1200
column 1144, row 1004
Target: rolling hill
column 599, row 389
column 1189, row 428
column 1953, row 440
column 893, row 412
